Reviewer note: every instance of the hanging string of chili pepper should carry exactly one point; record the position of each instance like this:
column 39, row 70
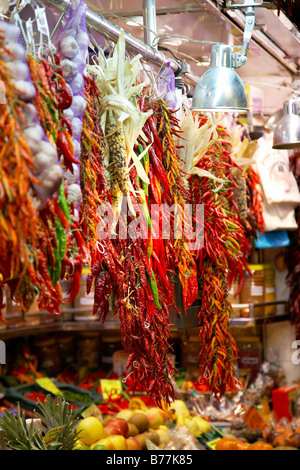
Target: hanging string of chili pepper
column 65, row 247
column 93, row 182
column 167, row 171
column 122, row 271
column 18, row 217
column 221, row 261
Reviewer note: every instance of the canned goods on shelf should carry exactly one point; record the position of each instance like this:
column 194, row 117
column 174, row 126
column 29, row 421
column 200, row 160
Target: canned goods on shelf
column 253, row 290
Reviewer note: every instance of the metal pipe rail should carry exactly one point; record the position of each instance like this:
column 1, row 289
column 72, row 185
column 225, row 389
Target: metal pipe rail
column 99, row 24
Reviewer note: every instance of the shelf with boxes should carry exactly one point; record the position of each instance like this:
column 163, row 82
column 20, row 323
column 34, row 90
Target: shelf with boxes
column 251, row 318
column 49, row 323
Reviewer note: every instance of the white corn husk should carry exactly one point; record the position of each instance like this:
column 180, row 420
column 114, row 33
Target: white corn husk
column 116, row 79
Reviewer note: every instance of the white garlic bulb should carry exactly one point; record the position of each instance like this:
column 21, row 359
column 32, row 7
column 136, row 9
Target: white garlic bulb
column 74, row 194
column 69, row 47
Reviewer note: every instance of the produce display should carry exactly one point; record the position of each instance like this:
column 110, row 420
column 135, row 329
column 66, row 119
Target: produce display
column 121, row 151
column 99, row 175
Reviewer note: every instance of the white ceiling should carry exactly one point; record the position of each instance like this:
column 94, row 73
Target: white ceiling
column 192, row 21
column 274, row 52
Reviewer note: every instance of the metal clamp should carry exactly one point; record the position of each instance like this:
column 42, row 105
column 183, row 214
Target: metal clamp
column 239, row 58
column 247, row 3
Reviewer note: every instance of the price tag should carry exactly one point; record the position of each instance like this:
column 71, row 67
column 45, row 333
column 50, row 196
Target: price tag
column 29, row 30
column 110, row 388
column 92, row 410
column 52, row 434
column 41, row 21
column 212, row 444
column 253, row 419
column 48, row 385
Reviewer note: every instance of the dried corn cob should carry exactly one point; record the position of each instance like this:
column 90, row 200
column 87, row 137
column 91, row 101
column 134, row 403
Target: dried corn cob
column 117, row 156
column 240, row 192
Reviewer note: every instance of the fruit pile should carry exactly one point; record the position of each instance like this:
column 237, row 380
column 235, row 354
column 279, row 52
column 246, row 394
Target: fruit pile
column 235, row 444
column 128, row 430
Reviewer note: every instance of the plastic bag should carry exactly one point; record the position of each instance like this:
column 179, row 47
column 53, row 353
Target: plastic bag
column 72, row 44
column 47, row 167
column 275, row 239
column 166, row 87
column 277, row 180
column 182, row 439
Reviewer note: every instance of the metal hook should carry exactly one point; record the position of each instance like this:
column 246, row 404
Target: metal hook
column 125, row 378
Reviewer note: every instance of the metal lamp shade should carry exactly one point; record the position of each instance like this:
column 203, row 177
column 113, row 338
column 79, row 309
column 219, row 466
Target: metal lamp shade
column 220, row 89
column 273, row 120
column 287, row 132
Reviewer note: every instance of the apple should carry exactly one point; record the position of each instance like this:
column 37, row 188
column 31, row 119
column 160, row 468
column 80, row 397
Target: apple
column 133, row 444
column 111, row 430
column 117, row 442
column 124, row 414
column 155, row 417
column 104, row 442
column 116, row 426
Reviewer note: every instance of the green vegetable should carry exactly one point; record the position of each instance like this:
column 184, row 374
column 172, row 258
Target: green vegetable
column 153, row 287
column 62, row 201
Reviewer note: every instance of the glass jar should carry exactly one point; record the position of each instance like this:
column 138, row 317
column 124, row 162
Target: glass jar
column 66, row 348
column 270, row 290
column 88, row 348
column 110, row 345
column 253, row 289
column 83, row 303
column 234, row 300
column 250, row 355
column 190, row 352
column 47, row 352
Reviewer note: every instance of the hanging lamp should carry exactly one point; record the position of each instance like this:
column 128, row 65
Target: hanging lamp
column 287, row 131
column 220, row 88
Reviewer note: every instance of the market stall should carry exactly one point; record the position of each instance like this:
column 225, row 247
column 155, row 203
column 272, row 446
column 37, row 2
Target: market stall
column 149, row 281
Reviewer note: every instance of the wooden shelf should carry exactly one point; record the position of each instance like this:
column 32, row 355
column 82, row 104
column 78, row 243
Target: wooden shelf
column 59, row 326
column 179, row 322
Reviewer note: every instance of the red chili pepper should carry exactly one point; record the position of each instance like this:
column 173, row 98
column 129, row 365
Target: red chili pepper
column 66, row 96
column 159, row 171
column 153, row 187
column 64, row 147
column 75, row 284
column 153, row 129
column 66, row 122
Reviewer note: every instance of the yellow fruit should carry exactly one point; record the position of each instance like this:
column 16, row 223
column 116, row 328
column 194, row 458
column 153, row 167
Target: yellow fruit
column 163, row 427
column 179, row 408
column 90, row 430
column 202, row 424
column 125, row 414
column 164, row 436
column 78, row 444
column 97, row 443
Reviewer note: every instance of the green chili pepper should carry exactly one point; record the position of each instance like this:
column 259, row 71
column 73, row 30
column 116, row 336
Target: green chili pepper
column 145, row 210
column 145, row 163
column 62, row 201
column 112, row 302
column 153, row 287
column 59, row 252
